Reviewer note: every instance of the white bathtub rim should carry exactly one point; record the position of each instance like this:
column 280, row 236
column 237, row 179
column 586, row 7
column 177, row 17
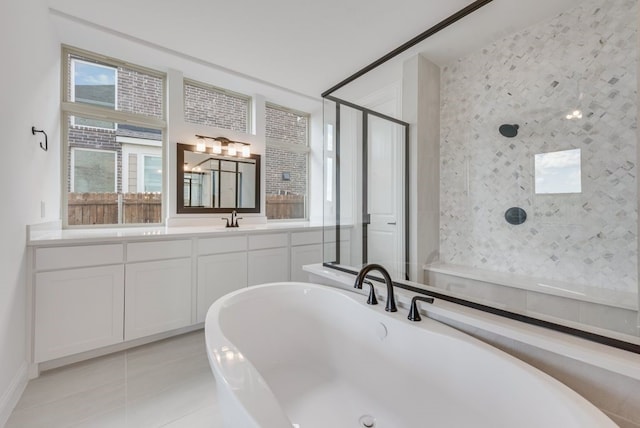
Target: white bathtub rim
column 265, row 406
column 260, row 404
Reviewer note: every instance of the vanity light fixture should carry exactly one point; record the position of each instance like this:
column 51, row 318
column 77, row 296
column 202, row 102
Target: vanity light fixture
column 201, row 146
column 233, row 148
column 217, row 147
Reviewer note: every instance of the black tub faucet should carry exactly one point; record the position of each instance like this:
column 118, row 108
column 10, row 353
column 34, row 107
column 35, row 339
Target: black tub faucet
column 391, row 300
column 414, row 314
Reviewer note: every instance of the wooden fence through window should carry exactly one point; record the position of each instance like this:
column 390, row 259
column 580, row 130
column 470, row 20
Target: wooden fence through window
column 285, row 206
column 114, row 208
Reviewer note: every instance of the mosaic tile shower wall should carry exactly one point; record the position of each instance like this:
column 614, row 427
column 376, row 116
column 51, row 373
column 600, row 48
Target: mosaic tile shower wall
column 584, row 59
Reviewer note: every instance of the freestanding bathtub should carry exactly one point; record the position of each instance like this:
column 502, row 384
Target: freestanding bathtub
column 310, row 356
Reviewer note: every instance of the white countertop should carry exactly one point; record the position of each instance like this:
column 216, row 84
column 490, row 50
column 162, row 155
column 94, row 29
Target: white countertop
column 52, row 234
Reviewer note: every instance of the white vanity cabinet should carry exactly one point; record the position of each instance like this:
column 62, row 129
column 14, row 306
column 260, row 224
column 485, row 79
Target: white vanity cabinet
column 268, row 258
column 89, row 294
column 222, row 268
column 77, row 304
column 158, row 287
column 306, row 248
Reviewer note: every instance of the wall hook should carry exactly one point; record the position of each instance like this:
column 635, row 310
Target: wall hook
column 44, row 147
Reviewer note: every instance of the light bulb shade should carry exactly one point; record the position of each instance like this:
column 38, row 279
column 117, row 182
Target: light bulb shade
column 231, row 149
column 201, row 146
column 246, row 151
column 217, row 147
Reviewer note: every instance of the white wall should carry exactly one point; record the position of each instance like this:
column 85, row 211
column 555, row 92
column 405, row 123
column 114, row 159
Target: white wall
column 30, row 88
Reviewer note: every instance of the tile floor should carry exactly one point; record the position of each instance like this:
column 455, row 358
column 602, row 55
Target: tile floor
column 163, row 384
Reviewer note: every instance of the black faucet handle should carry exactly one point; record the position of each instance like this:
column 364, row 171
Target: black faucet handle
column 236, row 223
column 372, row 300
column 225, row 218
column 414, row 314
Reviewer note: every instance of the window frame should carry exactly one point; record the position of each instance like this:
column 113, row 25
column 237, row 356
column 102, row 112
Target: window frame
column 191, row 82
column 70, row 108
column 295, row 148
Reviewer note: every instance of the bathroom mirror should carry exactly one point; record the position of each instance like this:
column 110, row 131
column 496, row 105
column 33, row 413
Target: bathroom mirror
column 211, row 183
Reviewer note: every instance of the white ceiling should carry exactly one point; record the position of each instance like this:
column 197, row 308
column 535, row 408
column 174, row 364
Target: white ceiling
column 305, row 46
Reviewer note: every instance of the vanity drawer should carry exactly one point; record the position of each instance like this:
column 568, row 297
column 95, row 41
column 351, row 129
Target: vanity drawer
column 271, row 240
column 158, row 250
column 306, row 238
column 78, row 256
column 227, row 244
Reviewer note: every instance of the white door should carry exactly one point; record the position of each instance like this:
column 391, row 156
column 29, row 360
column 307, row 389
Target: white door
column 385, row 195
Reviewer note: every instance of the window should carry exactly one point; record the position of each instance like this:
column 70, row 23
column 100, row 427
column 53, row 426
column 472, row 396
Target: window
column 558, row 172
column 93, row 84
column 286, row 162
column 93, row 171
column 211, row 106
column 152, row 178
column 114, row 169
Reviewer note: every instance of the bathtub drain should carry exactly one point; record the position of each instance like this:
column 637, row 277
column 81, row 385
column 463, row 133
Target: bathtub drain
column 367, row 421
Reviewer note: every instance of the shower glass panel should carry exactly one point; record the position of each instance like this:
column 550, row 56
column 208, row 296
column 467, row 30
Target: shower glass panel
column 570, row 84
column 538, row 117
column 365, row 187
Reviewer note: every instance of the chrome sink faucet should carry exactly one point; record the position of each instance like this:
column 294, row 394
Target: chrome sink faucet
column 391, row 300
column 234, row 219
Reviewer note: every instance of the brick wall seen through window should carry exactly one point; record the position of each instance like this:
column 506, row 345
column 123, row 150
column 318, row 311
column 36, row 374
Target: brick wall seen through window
column 212, row 107
column 286, row 163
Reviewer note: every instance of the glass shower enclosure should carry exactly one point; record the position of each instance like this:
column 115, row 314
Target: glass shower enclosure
column 366, row 187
